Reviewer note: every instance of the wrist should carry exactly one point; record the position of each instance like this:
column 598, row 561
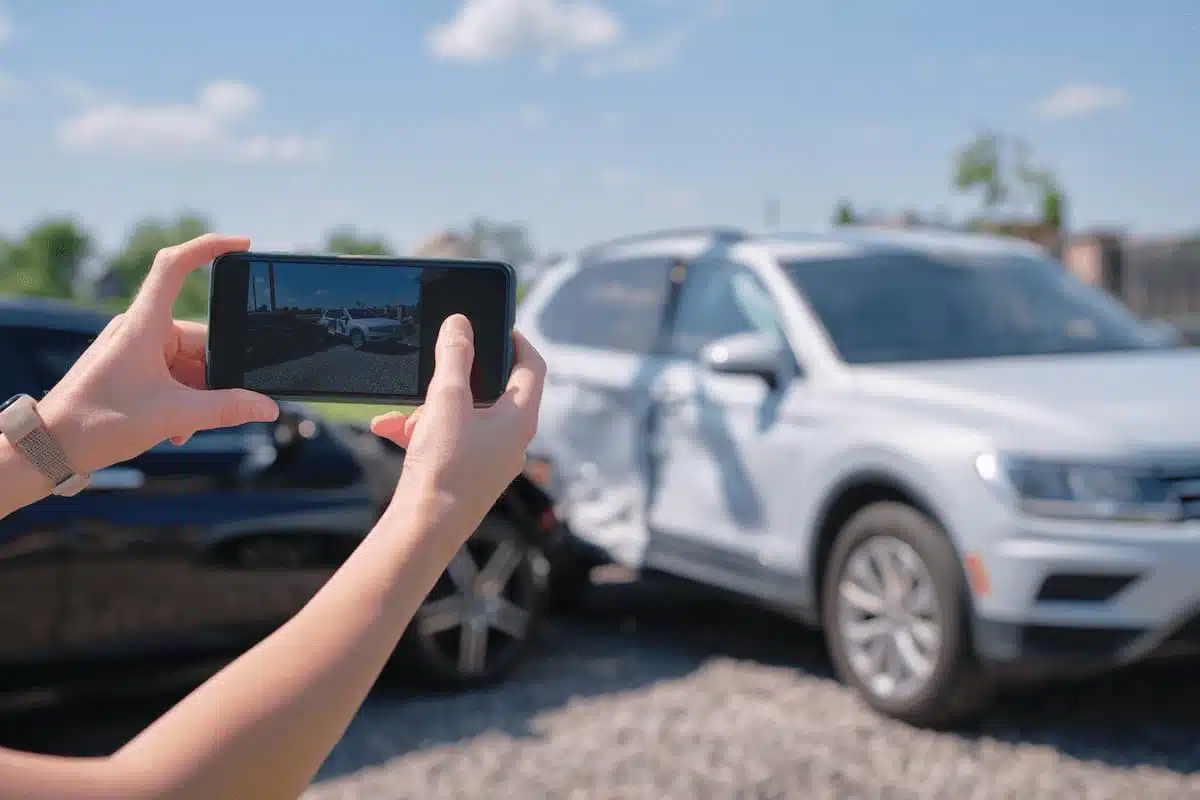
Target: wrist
column 23, row 483
column 429, row 513
column 63, row 421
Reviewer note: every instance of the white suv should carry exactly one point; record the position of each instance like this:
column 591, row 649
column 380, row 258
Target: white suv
column 959, row 460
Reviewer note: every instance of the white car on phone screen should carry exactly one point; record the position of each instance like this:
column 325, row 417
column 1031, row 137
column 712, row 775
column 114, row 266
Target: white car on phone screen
column 362, row 326
column 960, row 461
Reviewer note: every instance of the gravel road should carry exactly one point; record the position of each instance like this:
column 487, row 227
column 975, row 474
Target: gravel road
column 665, row 691
column 378, row 368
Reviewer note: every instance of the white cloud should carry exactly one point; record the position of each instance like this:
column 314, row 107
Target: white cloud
column 1080, row 100
column 209, row 126
column 486, row 30
column 532, row 115
column 643, row 56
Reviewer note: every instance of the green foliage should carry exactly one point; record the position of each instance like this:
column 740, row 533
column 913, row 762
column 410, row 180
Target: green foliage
column 507, row 242
column 978, row 166
column 47, row 261
column 1002, row 168
column 844, row 214
column 51, row 259
column 1052, row 210
column 129, row 267
column 348, row 241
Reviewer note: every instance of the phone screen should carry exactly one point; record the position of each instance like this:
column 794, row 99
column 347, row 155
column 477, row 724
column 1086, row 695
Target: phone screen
column 349, row 328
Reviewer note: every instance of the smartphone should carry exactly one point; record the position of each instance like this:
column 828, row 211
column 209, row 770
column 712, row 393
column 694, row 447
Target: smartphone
column 351, row 328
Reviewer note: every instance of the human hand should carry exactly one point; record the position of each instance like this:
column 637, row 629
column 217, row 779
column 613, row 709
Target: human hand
column 143, row 380
column 460, row 458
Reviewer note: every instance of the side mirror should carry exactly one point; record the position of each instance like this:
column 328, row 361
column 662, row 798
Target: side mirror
column 762, row 355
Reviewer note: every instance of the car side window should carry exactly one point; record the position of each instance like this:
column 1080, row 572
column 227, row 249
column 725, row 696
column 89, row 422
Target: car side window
column 49, row 354
column 616, row 305
column 720, row 299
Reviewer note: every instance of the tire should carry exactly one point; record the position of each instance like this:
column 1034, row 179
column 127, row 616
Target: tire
column 951, row 686
column 434, row 643
column 356, row 339
column 570, row 585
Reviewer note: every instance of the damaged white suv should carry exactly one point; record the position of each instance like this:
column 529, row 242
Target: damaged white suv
column 959, row 460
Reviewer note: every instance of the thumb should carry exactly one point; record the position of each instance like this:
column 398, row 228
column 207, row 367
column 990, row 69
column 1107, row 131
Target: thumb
column 228, row 408
column 453, row 357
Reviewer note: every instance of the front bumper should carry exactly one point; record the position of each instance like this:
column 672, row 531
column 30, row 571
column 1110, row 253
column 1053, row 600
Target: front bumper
column 1069, row 596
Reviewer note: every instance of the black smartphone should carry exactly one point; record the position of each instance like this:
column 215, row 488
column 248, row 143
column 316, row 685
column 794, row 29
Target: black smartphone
column 351, row 328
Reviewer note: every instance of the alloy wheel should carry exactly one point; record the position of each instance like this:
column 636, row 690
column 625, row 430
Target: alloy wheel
column 480, row 612
column 889, row 618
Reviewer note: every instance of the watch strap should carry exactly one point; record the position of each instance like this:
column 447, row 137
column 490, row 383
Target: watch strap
column 21, row 424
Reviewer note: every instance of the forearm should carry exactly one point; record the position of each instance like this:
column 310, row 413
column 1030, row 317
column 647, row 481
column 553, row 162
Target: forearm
column 262, row 727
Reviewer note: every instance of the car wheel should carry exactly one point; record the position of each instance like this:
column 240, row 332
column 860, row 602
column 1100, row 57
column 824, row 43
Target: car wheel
column 570, row 585
column 896, row 617
column 481, row 617
column 356, row 339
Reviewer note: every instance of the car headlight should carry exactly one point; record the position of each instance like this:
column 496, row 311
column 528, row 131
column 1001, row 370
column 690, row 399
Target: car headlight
column 1080, row 491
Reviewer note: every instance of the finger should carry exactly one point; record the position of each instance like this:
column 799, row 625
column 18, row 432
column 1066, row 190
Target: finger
column 189, row 371
column 225, row 408
column 393, row 426
column 173, row 264
column 528, row 378
column 453, row 356
column 523, row 397
column 191, row 338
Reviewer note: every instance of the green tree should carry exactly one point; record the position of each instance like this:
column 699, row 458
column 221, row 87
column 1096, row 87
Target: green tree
column 1003, row 169
column 1053, row 211
column 128, row 268
column 48, row 261
column 844, row 214
column 504, row 241
column 347, row 241
column 979, row 166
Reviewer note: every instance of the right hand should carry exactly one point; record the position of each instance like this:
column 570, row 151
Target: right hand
column 460, row 458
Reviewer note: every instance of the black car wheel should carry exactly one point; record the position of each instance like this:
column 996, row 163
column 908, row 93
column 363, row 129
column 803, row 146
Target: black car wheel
column 480, row 619
column 356, row 339
column 896, row 616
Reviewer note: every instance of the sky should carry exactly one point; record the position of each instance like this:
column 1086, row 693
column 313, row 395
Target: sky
column 320, row 286
column 583, row 119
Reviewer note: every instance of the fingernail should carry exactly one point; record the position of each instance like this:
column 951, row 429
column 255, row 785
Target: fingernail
column 267, row 410
column 456, row 325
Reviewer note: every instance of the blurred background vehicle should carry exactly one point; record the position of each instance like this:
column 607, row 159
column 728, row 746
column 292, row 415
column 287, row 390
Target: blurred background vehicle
column 204, row 548
column 962, row 462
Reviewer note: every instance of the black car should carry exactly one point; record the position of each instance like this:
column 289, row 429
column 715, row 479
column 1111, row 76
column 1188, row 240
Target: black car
column 206, row 547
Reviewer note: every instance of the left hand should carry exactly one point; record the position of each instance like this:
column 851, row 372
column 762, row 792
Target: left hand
column 142, row 381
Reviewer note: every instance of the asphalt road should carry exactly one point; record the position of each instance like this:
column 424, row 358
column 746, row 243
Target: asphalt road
column 665, row 691
column 376, row 369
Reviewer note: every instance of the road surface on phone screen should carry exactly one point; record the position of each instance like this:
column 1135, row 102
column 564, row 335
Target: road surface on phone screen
column 328, row 328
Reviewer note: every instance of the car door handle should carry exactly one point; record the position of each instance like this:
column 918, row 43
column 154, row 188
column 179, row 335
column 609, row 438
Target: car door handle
column 117, row 479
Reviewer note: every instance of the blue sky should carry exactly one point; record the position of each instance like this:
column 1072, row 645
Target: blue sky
column 583, row 119
column 322, row 286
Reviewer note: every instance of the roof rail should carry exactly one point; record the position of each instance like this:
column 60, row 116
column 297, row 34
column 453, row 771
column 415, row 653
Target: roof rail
column 720, row 232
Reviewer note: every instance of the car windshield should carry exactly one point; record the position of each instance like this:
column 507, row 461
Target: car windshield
column 364, row 313
column 902, row 307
